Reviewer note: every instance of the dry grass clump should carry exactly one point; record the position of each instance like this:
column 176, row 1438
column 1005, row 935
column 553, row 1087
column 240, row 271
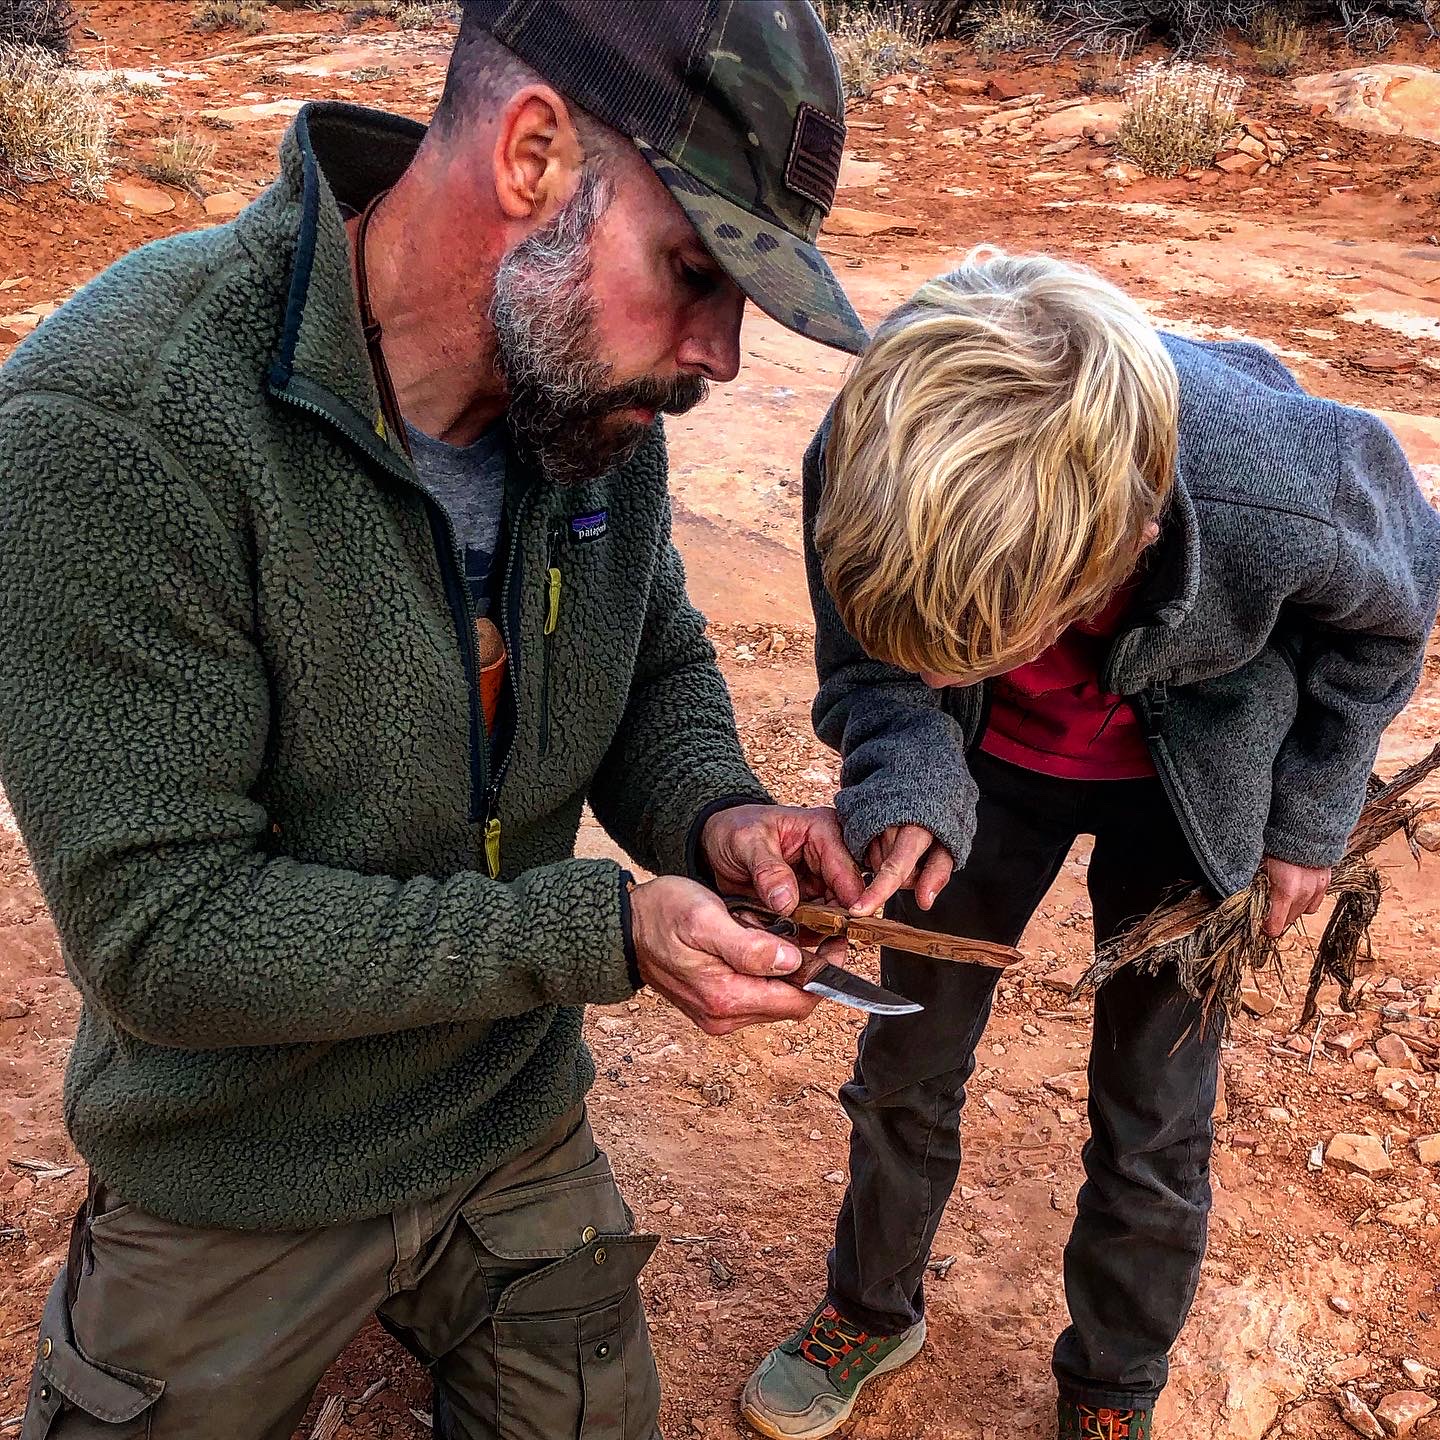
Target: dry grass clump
column 38, row 24
column 180, row 159
column 1177, row 115
column 1007, row 25
column 1279, row 43
column 50, row 123
column 872, row 41
column 244, row 15
column 1216, row 949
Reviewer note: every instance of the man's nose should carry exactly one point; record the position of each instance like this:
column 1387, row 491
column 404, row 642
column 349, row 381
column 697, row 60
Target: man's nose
column 712, row 342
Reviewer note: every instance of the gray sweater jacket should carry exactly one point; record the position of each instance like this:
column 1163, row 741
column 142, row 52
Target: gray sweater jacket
column 1278, row 629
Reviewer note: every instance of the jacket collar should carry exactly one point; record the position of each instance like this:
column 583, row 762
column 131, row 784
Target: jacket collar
column 1171, row 577
column 334, row 159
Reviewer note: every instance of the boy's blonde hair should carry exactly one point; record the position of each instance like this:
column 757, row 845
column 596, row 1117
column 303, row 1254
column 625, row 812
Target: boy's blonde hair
column 993, row 462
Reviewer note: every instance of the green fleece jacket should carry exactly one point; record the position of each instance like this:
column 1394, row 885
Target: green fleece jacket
column 241, row 738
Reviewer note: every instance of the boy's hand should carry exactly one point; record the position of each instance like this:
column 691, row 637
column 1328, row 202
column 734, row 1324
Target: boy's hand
column 904, row 857
column 1295, row 890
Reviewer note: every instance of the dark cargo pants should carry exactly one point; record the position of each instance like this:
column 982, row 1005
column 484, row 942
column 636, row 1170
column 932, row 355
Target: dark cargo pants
column 519, row 1292
column 1134, row 1254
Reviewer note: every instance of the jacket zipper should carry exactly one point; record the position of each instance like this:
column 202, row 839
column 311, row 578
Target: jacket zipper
column 1153, row 705
column 553, row 584
column 509, row 610
column 447, row 551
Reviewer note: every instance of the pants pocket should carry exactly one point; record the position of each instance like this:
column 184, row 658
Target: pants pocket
column 73, row 1397
column 571, row 1349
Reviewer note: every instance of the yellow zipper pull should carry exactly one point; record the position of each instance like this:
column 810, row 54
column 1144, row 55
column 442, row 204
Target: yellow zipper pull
column 552, row 617
column 492, row 848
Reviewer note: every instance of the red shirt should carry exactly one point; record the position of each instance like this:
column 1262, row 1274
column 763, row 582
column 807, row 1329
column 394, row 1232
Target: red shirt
column 1052, row 716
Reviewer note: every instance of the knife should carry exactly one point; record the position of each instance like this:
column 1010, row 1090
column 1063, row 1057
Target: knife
column 831, row 982
column 834, row 983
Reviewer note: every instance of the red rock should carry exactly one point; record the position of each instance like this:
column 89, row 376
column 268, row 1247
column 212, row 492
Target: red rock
column 1403, row 1410
column 8, row 336
column 225, row 203
column 147, row 199
column 1073, row 1085
column 1240, row 164
column 1386, row 362
column 1006, row 87
column 1363, row 1154
column 844, row 221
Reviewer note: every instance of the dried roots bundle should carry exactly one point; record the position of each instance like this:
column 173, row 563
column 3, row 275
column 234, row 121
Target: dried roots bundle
column 1216, row 948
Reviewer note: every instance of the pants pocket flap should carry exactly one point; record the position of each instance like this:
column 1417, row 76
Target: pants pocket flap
column 105, row 1392
column 547, row 1221
column 595, row 1275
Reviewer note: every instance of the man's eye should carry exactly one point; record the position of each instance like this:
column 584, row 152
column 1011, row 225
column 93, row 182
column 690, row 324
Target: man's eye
column 703, row 282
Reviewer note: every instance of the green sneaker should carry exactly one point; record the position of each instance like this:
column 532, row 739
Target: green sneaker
column 807, row 1386
column 1092, row 1422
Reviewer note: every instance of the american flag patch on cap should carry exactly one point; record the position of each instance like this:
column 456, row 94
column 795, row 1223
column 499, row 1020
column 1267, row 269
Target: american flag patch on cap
column 813, row 168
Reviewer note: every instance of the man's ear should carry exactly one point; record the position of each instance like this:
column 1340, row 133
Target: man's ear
column 538, row 155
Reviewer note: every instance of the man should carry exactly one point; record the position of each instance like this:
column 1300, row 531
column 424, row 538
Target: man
column 337, row 570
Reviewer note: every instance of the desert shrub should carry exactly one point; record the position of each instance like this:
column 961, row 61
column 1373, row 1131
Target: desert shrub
column 1102, row 70
column 51, row 123
column 245, row 15
column 1365, row 28
column 180, row 159
column 1007, row 25
column 37, row 24
column 1177, row 115
column 1188, row 26
column 1279, row 42
column 426, row 14
column 875, row 40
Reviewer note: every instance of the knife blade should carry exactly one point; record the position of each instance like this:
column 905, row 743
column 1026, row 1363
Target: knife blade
column 844, row 986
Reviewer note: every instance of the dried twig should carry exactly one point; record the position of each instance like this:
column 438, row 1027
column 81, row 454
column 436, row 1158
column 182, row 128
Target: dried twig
column 332, row 1416
column 1214, row 948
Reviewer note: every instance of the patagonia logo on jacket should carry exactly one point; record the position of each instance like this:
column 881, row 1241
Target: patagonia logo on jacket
column 584, row 528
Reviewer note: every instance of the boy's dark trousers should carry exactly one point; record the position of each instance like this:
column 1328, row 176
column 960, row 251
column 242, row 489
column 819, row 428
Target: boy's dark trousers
column 1134, row 1254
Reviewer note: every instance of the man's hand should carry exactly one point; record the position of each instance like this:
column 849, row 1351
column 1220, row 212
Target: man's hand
column 1295, row 890
column 904, row 857
column 707, row 965
column 781, row 854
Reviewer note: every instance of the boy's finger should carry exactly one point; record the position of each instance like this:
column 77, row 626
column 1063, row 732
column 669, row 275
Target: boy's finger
column 896, row 870
column 934, row 876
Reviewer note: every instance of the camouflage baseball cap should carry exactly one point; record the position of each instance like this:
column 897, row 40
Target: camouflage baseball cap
column 737, row 106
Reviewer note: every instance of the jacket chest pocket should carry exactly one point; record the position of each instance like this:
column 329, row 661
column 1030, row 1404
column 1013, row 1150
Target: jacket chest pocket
column 571, row 1350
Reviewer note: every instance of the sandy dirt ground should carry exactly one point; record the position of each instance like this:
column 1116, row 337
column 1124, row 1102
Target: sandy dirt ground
column 735, row 1150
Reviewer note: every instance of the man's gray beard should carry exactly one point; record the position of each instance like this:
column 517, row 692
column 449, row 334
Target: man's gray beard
column 563, row 399
column 544, row 320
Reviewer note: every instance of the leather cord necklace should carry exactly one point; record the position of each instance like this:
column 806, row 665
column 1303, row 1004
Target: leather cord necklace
column 389, row 405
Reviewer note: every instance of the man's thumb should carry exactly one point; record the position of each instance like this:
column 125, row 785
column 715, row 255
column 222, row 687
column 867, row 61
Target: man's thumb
column 759, row 953
column 774, row 882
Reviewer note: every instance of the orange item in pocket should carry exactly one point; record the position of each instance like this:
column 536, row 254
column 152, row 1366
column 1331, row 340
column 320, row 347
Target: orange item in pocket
column 491, row 658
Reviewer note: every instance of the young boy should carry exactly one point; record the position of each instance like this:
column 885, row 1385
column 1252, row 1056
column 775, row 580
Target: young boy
column 1074, row 576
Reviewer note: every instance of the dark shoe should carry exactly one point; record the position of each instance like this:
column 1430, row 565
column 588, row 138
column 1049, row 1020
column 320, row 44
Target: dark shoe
column 806, row 1387
column 1101, row 1422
